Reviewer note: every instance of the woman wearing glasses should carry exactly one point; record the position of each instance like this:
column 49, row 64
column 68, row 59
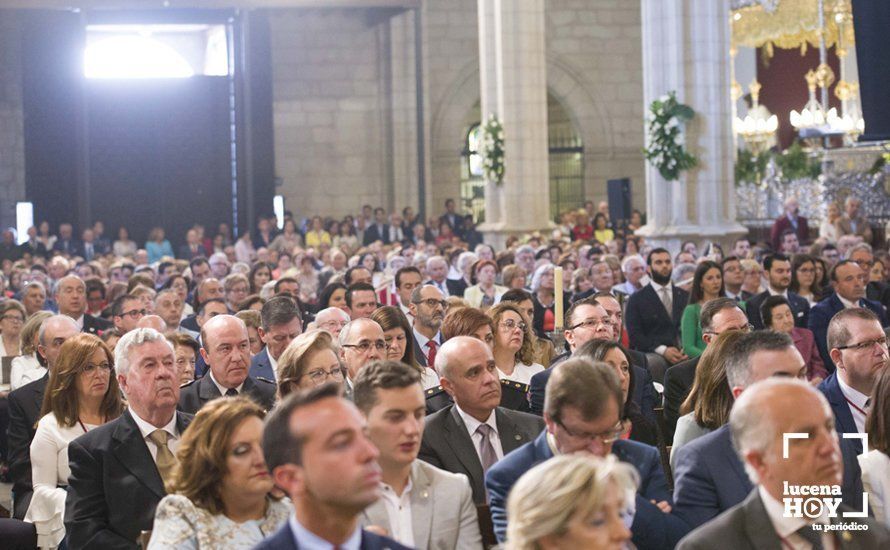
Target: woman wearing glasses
column 400, row 342
column 777, row 315
column 309, row 361
column 707, row 284
column 12, row 319
column 514, row 344
column 81, row 395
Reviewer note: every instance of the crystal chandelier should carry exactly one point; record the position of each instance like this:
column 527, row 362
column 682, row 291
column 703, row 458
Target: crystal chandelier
column 813, row 115
column 759, row 125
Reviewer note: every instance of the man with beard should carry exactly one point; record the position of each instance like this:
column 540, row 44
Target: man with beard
column 428, row 307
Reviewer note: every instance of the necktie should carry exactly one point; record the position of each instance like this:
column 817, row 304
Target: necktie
column 164, row 459
column 812, row 536
column 231, row 392
column 666, row 299
column 431, row 354
column 486, row 449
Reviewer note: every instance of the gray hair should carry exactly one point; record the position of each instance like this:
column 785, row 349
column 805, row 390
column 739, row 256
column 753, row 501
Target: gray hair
column 633, row 257
column 62, row 280
column 332, row 310
column 523, row 249
column 42, row 330
column 343, row 337
column 133, row 339
column 856, row 248
column 539, row 273
column 465, row 260
column 432, row 259
column 738, row 359
column 682, row 272
column 34, row 284
column 417, row 293
column 751, row 426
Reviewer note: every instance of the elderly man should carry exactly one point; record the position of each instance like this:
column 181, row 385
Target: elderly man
column 853, row 222
column 792, row 221
column 118, row 470
column 126, row 311
column 318, row 452
column 422, row 506
column 759, row 423
column 469, row 436
column 858, row 347
column 709, row 478
column 332, row 319
column 219, row 265
column 25, row 405
column 169, row 307
column 192, row 247
column 437, row 271
column 34, row 298
column 71, row 298
column 225, row 348
column 361, row 341
column 849, row 281
column 877, row 291
column 582, row 414
column 634, row 268
column 281, row 323
column 428, row 308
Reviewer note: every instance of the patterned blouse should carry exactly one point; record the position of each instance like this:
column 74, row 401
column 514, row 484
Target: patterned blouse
column 182, row 525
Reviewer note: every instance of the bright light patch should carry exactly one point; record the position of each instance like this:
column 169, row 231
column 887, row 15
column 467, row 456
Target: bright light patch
column 134, row 57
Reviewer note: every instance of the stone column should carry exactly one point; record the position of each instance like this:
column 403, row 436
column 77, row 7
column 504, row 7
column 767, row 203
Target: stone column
column 513, row 82
column 686, row 50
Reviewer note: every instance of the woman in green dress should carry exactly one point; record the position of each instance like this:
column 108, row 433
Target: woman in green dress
column 707, row 284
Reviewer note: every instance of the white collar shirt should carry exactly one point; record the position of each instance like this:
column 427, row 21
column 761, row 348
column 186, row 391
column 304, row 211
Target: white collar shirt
column 857, row 402
column 398, row 509
column 146, row 429
column 222, row 389
column 304, row 539
column 472, row 424
column 786, row 527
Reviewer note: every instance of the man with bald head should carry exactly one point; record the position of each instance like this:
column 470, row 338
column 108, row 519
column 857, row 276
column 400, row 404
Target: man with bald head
column 152, row 321
column 361, row 341
column 225, row 347
column 471, row 435
column 71, row 298
column 332, row 319
column 759, row 421
column 24, row 409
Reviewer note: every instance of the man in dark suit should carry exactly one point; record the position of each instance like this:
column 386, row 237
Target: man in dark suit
column 859, row 349
column 876, row 291
column 709, row 477
column 849, row 281
column 428, row 308
column 452, row 218
column 281, row 323
column 24, row 411
column 653, row 315
column 318, row 452
column 761, row 520
column 474, row 433
column 226, row 350
column 778, row 270
column 66, row 244
column 717, row 317
column 437, row 269
column 192, row 247
column 378, row 230
column 71, row 298
column 790, row 220
column 582, row 415
column 33, row 245
column 118, row 470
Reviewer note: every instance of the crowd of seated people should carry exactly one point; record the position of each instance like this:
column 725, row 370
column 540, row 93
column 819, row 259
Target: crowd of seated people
column 384, row 381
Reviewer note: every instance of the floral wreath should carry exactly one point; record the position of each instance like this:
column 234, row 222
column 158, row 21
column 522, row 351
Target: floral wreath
column 664, row 136
column 492, row 150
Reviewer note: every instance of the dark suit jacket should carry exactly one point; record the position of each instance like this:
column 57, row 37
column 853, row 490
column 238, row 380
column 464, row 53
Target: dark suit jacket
column 843, row 418
column 747, row 526
column 71, row 247
column 447, row 445
column 651, row 527
column 24, row 412
column 371, row 234
column 261, row 366
column 185, row 252
column 114, row 486
column 456, row 287
column 677, row 383
column 782, row 223
column 800, row 308
column 195, row 395
column 648, row 324
column 283, row 539
column 35, row 248
column 821, row 315
column 876, row 292
column 95, row 325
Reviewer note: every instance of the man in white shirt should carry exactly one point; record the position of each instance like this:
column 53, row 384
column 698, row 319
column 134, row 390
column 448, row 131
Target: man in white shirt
column 390, row 397
column 761, row 418
column 428, row 307
column 118, row 469
column 407, row 279
column 634, row 268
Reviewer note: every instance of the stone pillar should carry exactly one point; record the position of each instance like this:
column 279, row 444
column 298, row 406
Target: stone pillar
column 513, row 81
column 12, row 136
column 686, row 49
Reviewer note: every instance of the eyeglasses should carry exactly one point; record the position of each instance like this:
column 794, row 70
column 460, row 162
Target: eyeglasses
column 510, row 324
column 333, row 323
column 13, row 318
column 134, row 313
column 432, row 302
column 605, row 438
column 863, row 346
column 592, row 323
column 89, row 368
column 745, row 328
column 365, row 345
column 320, row 375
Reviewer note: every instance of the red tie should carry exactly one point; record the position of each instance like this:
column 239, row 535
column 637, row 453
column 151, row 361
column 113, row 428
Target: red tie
column 431, row 355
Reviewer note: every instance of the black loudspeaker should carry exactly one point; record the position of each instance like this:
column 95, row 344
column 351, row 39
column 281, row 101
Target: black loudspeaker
column 619, row 201
column 871, row 19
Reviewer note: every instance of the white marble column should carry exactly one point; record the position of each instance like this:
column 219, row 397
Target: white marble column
column 513, row 82
column 686, row 50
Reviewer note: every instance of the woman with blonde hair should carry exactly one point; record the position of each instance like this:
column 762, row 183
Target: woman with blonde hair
column 569, row 502
column 29, row 366
column 219, row 495
column 310, row 360
column 514, row 344
column 81, row 395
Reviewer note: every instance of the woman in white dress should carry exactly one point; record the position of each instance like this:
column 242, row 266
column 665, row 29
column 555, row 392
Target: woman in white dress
column 514, row 343
column 81, row 395
column 27, row 367
column 219, row 494
column 875, row 464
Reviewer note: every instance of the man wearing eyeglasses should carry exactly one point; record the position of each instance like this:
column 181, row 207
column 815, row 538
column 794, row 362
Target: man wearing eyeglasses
column 126, row 311
column 877, row 291
column 361, row 341
column 428, row 307
column 859, row 350
column 582, row 414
